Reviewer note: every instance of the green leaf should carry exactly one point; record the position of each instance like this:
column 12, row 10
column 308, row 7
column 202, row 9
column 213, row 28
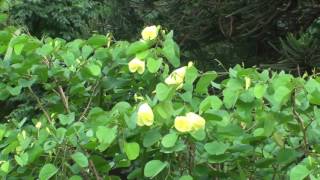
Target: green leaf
column 18, row 48
column 210, row 102
column 75, row 177
column 86, row 51
column 153, row 168
column 153, row 65
column 169, row 140
column 66, row 119
column 97, row 41
column 45, row 50
column 132, row 150
column 260, row 90
column 171, row 50
column 5, row 167
column 216, row 148
column 162, row 91
column 136, row 47
column 105, row 136
column 151, row 137
column 22, row 160
column 299, row 172
column 281, row 94
column 80, row 159
column 93, row 69
column 186, row 177
column 205, row 81
column 14, row 91
column 47, row 171
column 69, row 58
column 230, row 97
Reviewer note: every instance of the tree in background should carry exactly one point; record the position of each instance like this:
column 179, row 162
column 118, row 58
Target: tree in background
column 230, row 31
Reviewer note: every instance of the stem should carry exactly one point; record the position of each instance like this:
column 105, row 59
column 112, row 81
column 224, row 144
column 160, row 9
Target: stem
column 89, row 102
column 64, row 99
column 300, row 122
column 40, row 105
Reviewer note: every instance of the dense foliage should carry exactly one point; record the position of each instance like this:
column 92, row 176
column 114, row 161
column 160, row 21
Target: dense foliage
column 104, row 109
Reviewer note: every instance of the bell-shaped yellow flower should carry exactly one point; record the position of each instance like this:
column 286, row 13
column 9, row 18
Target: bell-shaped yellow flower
column 197, row 121
column 176, row 77
column 136, row 65
column 145, row 115
column 182, row 124
column 149, row 33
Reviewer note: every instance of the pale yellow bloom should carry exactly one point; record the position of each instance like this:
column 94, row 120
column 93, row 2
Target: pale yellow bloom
column 136, row 65
column 197, row 121
column 145, row 115
column 182, row 124
column 176, row 77
column 149, row 33
column 248, row 82
column 38, row 125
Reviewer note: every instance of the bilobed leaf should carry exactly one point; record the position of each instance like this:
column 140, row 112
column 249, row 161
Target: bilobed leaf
column 47, row 171
column 22, row 159
column 210, row 102
column 66, row 119
column 14, row 91
column 153, row 168
column 162, row 91
column 137, row 47
column 105, row 136
column 151, row 137
column 93, row 69
column 97, row 41
column 299, row 172
column 216, row 148
column 171, row 50
column 169, row 140
column 80, row 159
column 205, row 81
column 69, row 58
column 259, row 90
column 132, row 150
column 153, row 65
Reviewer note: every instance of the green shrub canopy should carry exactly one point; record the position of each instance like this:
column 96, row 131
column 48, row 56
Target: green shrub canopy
column 100, row 109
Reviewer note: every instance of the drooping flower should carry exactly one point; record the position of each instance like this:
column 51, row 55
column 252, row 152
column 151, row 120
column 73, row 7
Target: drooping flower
column 182, row 124
column 149, row 33
column 197, row 121
column 176, row 77
column 136, row 65
column 145, row 115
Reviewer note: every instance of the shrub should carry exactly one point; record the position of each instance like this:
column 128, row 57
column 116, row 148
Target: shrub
column 98, row 109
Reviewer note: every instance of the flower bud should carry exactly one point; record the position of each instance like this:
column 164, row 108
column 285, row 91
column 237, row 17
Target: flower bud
column 149, row 33
column 145, row 115
column 197, row 121
column 176, row 77
column 182, row 124
column 136, row 65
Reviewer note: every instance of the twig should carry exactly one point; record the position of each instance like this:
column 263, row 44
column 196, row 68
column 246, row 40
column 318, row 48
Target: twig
column 89, row 102
column 93, row 167
column 300, row 122
column 40, row 105
column 64, row 99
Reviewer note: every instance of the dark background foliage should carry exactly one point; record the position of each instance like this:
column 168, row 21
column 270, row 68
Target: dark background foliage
column 256, row 32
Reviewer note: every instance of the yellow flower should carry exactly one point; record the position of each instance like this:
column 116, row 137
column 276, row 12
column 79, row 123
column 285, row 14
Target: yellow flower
column 197, row 121
column 248, row 82
column 149, row 33
column 145, row 115
column 182, row 124
column 136, row 65
column 176, row 77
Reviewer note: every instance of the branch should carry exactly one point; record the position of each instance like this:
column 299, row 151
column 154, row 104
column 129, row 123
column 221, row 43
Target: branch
column 40, row 105
column 89, row 102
